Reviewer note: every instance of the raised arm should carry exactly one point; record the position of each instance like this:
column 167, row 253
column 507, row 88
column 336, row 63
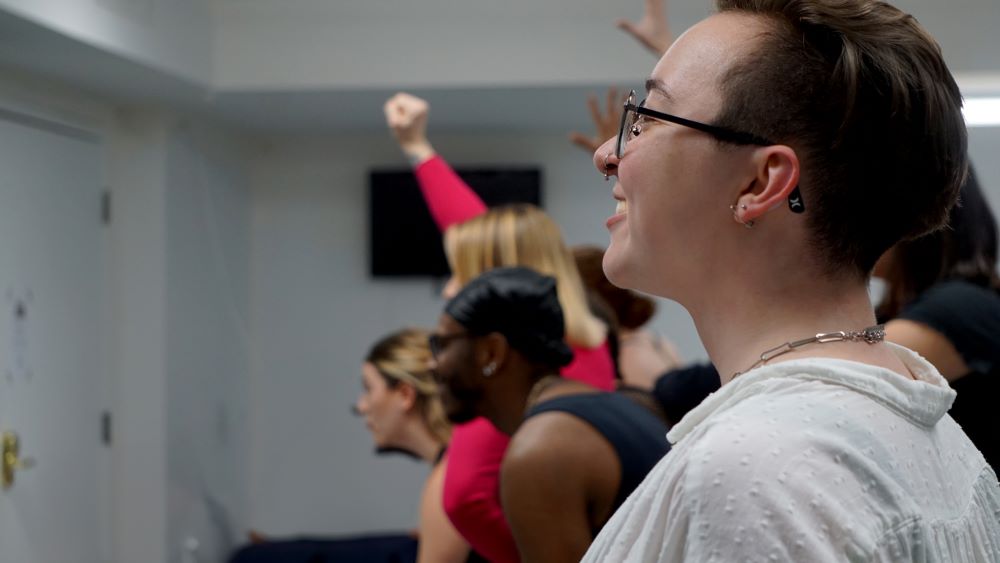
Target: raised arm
column 449, row 199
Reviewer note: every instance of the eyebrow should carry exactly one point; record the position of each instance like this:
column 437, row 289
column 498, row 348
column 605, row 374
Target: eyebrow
column 659, row 86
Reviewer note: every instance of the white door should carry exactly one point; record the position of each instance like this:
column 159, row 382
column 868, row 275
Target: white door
column 53, row 346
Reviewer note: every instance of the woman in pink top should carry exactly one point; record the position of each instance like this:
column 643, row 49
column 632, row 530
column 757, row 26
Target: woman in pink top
column 478, row 239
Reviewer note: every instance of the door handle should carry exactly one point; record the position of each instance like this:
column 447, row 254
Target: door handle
column 10, row 460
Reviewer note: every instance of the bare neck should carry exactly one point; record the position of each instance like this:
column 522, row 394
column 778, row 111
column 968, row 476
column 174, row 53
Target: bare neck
column 418, row 439
column 507, row 404
column 742, row 322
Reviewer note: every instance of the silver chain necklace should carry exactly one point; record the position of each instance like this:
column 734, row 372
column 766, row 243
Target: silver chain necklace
column 870, row 335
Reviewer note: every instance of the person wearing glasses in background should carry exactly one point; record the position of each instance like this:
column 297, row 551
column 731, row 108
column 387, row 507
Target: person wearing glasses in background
column 575, row 452
column 783, row 147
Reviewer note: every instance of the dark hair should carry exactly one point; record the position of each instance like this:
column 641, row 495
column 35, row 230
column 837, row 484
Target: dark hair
column 522, row 305
column 631, row 309
column 965, row 250
column 861, row 92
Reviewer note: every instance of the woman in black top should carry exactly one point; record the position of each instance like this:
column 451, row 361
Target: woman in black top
column 942, row 300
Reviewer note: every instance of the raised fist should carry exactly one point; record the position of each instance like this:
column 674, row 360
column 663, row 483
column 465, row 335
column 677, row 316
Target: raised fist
column 406, row 116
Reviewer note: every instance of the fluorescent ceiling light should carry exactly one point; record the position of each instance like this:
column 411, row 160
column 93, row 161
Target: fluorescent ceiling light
column 982, row 112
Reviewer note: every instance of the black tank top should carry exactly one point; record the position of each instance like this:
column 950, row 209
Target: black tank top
column 637, row 435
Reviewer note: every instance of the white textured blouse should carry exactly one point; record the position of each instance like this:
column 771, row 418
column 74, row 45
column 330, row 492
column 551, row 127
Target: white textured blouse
column 815, row 460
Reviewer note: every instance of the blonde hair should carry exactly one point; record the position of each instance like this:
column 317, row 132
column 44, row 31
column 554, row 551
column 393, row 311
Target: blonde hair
column 403, row 357
column 523, row 235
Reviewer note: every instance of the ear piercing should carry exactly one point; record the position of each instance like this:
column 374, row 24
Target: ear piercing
column 736, row 215
column 489, row 369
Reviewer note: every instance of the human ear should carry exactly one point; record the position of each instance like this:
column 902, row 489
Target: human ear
column 491, row 352
column 776, row 176
column 407, row 395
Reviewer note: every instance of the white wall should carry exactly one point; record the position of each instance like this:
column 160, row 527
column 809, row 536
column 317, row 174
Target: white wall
column 315, row 44
column 178, row 287
column 181, row 252
column 310, row 44
column 984, row 149
column 207, row 356
column 173, row 36
column 315, row 312
column 139, row 337
column 180, row 232
column 134, row 148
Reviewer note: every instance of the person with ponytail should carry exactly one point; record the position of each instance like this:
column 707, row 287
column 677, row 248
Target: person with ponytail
column 402, row 409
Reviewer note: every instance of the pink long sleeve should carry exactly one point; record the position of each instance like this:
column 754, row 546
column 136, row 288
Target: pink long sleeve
column 449, row 199
column 472, row 481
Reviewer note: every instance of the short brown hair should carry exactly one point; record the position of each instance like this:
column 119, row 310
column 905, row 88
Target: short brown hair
column 861, row 92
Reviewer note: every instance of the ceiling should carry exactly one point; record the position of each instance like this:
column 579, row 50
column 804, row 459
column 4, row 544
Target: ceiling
column 968, row 34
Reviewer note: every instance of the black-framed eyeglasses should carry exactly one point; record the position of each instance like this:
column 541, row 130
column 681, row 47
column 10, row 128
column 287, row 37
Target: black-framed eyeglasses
column 630, row 126
column 437, row 342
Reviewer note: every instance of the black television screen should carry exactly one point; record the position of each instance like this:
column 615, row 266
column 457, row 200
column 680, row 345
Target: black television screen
column 404, row 239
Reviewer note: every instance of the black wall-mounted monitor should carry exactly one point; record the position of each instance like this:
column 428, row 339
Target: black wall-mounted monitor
column 404, row 240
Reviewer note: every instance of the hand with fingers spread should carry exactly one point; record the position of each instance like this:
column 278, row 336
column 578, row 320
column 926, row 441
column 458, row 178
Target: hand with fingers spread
column 653, row 30
column 606, row 123
column 406, row 116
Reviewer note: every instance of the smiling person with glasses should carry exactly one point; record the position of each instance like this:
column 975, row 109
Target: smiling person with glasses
column 575, row 452
column 783, row 147
column 635, row 117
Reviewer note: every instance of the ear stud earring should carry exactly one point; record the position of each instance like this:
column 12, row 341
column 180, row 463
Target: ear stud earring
column 736, row 215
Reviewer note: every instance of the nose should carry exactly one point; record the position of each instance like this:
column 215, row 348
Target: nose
column 360, row 406
column 604, row 158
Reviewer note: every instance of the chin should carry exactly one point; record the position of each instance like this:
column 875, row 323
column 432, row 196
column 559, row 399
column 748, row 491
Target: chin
column 614, row 269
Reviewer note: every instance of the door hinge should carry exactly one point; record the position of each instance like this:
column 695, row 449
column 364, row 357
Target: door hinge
column 106, row 428
column 106, row 207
